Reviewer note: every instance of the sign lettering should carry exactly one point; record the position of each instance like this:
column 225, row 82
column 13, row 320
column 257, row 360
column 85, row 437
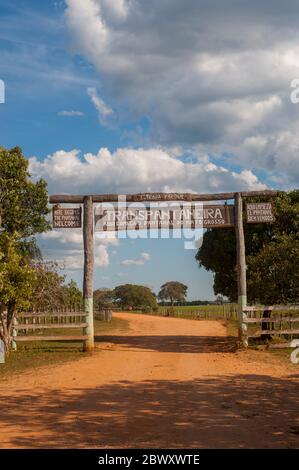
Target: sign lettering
column 259, row 212
column 67, row 218
column 172, row 217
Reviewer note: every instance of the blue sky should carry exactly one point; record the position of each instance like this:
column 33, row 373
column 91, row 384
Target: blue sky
column 125, row 96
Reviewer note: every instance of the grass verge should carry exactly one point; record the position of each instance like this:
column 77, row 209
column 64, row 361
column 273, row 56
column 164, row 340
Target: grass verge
column 42, row 353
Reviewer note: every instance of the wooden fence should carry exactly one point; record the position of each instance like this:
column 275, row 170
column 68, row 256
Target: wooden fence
column 104, row 314
column 30, row 326
column 198, row 312
column 275, row 322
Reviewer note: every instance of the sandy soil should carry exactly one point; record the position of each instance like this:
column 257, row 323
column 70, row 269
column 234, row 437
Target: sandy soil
column 166, row 383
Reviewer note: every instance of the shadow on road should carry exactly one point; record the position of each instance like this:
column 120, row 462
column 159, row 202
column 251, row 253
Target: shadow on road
column 230, row 411
column 180, row 344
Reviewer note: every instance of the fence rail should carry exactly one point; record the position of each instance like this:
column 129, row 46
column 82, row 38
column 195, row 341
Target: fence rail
column 30, row 326
column 282, row 325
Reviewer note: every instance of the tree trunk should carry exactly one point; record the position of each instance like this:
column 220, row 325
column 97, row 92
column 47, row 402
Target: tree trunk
column 7, row 318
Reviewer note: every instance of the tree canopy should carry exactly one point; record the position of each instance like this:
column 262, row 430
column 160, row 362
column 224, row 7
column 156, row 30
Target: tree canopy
column 174, row 291
column 271, row 255
column 23, row 203
column 16, row 285
column 23, row 211
column 103, row 298
column 51, row 290
column 135, row 297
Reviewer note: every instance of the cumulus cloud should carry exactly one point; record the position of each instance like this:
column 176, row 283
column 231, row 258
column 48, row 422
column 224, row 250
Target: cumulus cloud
column 208, row 73
column 136, row 170
column 137, row 261
column 66, row 247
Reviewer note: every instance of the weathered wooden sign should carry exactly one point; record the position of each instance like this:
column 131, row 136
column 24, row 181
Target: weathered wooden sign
column 170, row 217
column 67, row 217
column 259, row 212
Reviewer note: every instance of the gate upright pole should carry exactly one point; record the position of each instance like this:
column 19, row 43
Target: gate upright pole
column 241, row 267
column 88, row 272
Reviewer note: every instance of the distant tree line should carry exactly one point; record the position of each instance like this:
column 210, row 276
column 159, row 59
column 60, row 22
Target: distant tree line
column 136, row 297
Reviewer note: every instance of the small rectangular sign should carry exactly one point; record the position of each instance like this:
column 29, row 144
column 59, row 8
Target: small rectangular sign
column 2, row 352
column 143, row 218
column 67, row 218
column 259, row 212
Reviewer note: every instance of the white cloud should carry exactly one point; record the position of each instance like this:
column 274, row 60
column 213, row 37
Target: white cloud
column 103, row 109
column 135, row 170
column 213, row 74
column 70, row 113
column 137, row 261
column 66, row 246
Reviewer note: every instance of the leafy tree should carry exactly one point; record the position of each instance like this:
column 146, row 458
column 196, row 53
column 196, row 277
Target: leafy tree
column 267, row 281
column 103, row 298
column 218, row 255
column 23, row 211
column 174, row 291
column 50, row 289
column 23, row 203
column 16, row 285
column 73, row 295
column 276, row 273
column 135, row 297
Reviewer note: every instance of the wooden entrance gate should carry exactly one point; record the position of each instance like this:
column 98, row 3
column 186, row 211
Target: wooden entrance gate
column 71, row 218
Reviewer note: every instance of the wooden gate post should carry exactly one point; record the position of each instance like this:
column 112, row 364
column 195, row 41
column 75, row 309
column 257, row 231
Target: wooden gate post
column 88, row 272
column 241, row 267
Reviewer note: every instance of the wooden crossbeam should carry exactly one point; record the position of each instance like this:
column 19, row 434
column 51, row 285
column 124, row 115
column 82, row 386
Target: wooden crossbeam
column 155, row 197
column 271, row 320
column 50, row 338
column 275, row 308
column 41, row 326
column 51, row 314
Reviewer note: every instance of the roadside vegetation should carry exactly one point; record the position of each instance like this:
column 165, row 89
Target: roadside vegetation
column 44, row 353
column 272, row 252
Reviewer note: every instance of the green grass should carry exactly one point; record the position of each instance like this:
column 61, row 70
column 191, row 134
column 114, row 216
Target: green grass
column 41, row 353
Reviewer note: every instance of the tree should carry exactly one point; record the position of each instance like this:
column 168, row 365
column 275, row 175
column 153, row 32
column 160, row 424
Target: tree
column 23, row 203
column 50, row 289
column 23, row 211
column 102, row 298
column 16, row 285
column 135, row 297
column 276, row 273
column 174, row 291
column 73, row 295
column 267, row 281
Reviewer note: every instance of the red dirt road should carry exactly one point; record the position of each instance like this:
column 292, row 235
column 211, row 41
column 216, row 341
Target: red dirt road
column 166, row 383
